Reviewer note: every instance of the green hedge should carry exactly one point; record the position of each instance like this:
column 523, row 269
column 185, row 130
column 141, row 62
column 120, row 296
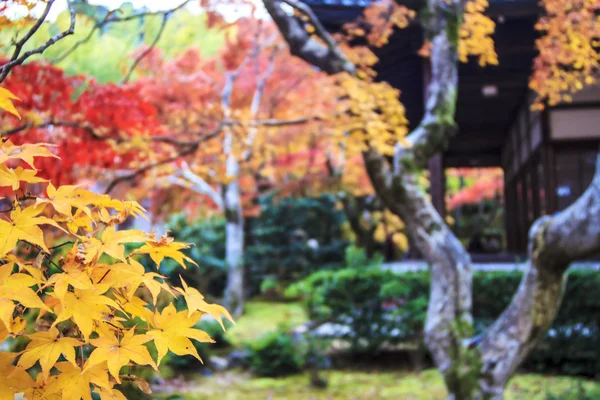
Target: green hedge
column 381, row 308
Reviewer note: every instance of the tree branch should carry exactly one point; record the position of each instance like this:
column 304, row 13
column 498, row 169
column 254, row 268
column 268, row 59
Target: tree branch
column 198, row 184
column 191, row 148
column 18, row 59
column 146, row 51
column 328, row 57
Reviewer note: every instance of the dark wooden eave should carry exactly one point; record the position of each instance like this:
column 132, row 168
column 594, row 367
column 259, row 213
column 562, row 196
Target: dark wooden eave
column 483, row 121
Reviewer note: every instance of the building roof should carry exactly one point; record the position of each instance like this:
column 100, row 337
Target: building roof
column 483, row 121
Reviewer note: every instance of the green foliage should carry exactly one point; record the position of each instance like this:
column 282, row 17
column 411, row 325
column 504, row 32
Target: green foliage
column 107, row 55
column 293, row 237
column 277, row 354
column 269, row 287
column 578, row 392
column 378, row 307
column 381, row 307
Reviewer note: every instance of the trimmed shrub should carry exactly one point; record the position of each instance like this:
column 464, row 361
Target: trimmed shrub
column 277, row 353
column 372, row 308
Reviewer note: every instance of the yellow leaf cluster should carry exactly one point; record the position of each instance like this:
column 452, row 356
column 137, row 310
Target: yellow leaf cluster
column 569, row 50
column 475, row 34
column 390, row 225
column 89, row 317
column 380, row 19
column 369, row 115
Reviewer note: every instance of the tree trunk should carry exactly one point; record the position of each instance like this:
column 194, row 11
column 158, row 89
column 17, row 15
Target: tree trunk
column 234, row 240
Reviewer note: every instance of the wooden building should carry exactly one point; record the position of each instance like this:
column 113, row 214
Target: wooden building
column 548, row 157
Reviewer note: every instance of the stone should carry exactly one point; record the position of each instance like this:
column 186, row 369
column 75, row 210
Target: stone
column 218, row 363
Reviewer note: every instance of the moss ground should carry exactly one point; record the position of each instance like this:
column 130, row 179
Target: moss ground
column 353, row 385
column 263, row 316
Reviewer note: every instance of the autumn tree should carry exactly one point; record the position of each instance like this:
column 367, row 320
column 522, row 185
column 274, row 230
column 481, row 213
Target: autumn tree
column 472, row 367
column 243, row 99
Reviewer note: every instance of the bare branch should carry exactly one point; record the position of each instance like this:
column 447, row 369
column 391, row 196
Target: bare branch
column 18, row 59
column 147, row 50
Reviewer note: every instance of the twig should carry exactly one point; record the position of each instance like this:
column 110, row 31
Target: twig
column 147, row 50
column 60, row 245
column 18, row 60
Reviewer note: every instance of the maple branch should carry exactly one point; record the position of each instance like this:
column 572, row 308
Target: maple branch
column 147, row 50
column 109, row 18
column 198, row 184
column 18, row 59
column 328, row 57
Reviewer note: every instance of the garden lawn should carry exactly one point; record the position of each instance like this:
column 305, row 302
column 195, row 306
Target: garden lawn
column 261, row 317
column 352, row 385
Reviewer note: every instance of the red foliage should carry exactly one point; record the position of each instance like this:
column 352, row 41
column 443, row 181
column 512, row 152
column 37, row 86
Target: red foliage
column 489, row 184
column 98, row 113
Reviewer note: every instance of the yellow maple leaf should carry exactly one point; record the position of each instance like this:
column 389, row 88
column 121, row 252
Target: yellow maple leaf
column 110, row 394
column 66, row 197
column 111, row 243
column 47, row 347
column 23, row 225
column 119, row 352
column 130, row 276
column 6, row 98
column 195, row 302
column 43, row 388
column 134, row 306
column 173, row 331
column 14, row 177
column 75, row 384
column 85, row 307
column 163, row 247
column 16, row 287
column 75, row 273
column 19, row 379
column 25, row 152
column 79, row 220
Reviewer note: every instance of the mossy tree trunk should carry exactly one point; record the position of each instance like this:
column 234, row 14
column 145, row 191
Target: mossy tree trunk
column 472, row 367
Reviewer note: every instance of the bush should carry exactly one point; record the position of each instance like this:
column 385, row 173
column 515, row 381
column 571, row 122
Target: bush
column 292, row 238
column 374, row 307
column 277, row 353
